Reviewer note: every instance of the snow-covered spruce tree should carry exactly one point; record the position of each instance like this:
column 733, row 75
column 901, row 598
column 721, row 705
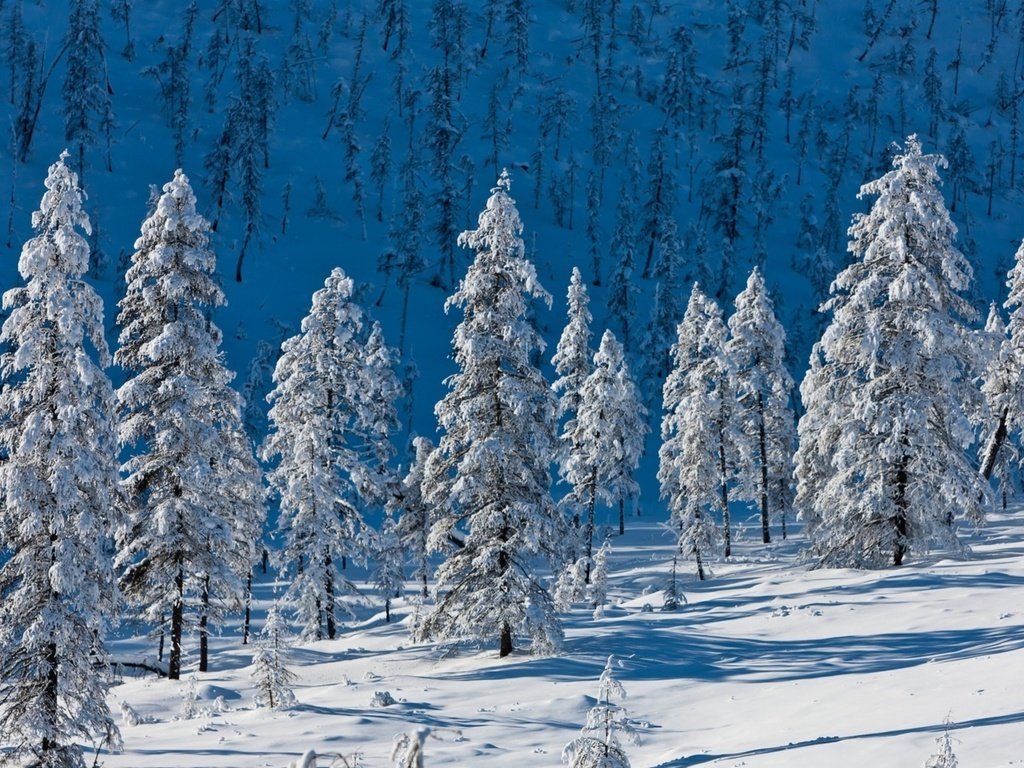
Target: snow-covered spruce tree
column 606, row 439
column 59, row 498
column 272, row 679
column 86, row 90
column 943, row 757
column 488, row 480
column 764, row 417
column 388, row 555
column 999, row 384
column 600, row 746
column 573, row 357
column 697, row 431
column 331, row 414
column 413, row 513
column 882, row 467
column 1004, row 397
column 194, row 487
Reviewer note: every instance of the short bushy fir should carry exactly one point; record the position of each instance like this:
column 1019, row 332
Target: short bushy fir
column 600, row 745
column 272, row 679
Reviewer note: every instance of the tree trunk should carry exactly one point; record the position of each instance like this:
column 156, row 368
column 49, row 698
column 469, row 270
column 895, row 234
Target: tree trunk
column 177, row 623
column 766, row 535
column 900, row 521
column 726, row 528
column 988, row 464
column 591, row 503
column 247, row 624
column 505, row 643
column 204, row 618
column 622, row 517
column 332, row 628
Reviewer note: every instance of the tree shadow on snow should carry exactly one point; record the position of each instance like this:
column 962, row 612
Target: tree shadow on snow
column 937, row 728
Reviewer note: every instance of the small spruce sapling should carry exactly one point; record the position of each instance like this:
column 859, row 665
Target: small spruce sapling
column 600, row 745
column 273, row 680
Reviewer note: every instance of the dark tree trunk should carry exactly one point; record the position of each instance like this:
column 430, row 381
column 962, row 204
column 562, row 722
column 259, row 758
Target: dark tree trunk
column 591, row 503
column 726, row 528
column 332, row 628
column 204, row 636
column 505, row 644
column 622, row 517
column 900, row 521
column 988, row 464
column 766, row 535
column 247, row 624
column 177, row 624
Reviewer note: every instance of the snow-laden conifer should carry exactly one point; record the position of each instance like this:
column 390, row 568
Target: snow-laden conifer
column 332, row 411
column 607, row 726
column 999, row 385
column 388, row 574
column 1005, row 400
column 194, row 485
column 697, row 431
column 572, row 359
column 488, row 480
column 882, row 466
column 764, row 417
column 943, row 757
column 59, row 498
column 413, row 514
column 606, row 439
column 271, row 677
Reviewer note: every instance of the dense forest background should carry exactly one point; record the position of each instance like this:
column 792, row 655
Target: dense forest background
column 704, row 136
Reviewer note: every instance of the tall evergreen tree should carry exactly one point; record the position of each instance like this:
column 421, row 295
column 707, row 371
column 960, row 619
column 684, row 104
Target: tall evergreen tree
column 59, row 499
column 193, row 482
column 697, row 430
column 413, row 514
column 606, row 439
column 882, row 466
column 764, row 388
column 332, row 411
column 488, row 480
column 573, row 356
column 1004, row 397
column 87, row 103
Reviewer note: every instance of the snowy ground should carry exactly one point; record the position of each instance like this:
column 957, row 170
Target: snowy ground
column 769, row 665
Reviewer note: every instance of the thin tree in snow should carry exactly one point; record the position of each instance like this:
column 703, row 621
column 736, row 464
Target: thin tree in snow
column 195, row 488
column 332, row 410
column 606, row 439
column 59, row 498
column 697, row 430
column 600, row 745
column 943, row 757
column 413, row 515
column 272, row 679
column 488, row 480
column 882, row 467
column 764, row 388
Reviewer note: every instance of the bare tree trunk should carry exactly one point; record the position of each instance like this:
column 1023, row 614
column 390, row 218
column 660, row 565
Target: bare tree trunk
column 204, row 635
column 177, row 624
column 766, row 535
column 988, row 463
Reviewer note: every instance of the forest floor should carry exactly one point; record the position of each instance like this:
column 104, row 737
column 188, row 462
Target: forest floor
column 770, row 663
